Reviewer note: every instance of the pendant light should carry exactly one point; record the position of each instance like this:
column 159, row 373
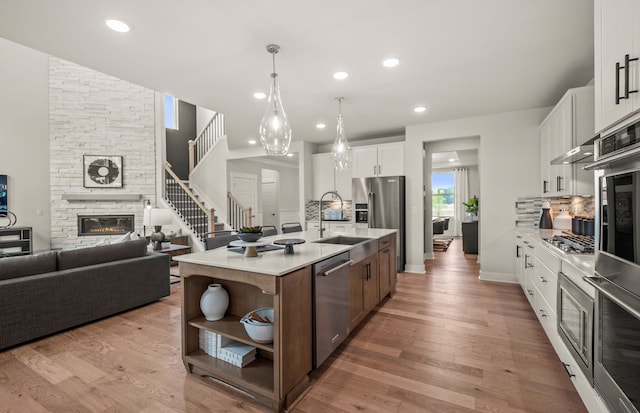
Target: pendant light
column 341, row 151
column 275, row 132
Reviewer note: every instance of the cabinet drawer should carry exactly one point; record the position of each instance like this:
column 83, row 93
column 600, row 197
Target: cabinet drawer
column 548, row 258
column 384, row 242
column 547, row 317
column 546, row 282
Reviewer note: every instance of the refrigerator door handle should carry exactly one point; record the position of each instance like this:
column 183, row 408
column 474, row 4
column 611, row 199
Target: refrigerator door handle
column 372, row 212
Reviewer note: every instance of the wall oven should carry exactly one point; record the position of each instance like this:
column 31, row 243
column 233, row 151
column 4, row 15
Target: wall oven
column 616, row 364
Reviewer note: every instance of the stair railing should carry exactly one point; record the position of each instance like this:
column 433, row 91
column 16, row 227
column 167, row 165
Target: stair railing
column 238, row 215
column 184, row 202
column 211, row 134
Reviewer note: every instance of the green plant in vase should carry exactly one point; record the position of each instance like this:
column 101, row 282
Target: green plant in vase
column 250, row 234
column 471, row 206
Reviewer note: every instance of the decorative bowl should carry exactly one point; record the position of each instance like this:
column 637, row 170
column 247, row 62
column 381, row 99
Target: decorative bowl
column 249, row 236
column 258, row 331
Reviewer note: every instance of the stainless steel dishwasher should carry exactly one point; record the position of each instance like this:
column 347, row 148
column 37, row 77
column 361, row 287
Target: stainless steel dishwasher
column 330, row 305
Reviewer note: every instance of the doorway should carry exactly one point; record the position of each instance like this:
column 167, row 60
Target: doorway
column 270, row 183
column 245, row 188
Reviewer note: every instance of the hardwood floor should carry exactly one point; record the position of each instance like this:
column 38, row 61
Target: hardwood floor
column 445, row 343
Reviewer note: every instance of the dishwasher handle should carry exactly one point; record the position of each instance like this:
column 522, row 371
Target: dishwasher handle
column 334, row 269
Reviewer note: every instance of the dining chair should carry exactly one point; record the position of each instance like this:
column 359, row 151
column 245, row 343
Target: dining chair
column 288, row 227
column 219, row 241
column 268, row 230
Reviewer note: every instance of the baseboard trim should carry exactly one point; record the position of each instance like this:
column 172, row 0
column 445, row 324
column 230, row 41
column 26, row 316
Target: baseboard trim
column 415, row 269
column 498, row 277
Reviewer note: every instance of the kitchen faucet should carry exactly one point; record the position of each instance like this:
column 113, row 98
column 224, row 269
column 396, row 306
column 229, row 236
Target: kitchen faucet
column 320, row 207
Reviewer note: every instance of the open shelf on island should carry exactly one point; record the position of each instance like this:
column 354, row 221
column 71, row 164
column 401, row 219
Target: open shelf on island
column 230, row 326
column 256, row 376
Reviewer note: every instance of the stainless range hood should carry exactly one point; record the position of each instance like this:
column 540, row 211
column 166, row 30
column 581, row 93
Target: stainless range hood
column 579, row 154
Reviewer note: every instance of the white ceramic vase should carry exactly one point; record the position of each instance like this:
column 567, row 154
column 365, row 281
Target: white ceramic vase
column 214, row 302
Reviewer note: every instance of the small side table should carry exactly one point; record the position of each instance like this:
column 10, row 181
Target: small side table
column 175, row 250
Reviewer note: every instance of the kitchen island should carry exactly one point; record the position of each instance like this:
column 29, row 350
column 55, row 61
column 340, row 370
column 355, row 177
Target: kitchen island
column 279, row 375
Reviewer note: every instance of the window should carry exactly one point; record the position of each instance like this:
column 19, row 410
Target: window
column 443, row 194
column 170, row 112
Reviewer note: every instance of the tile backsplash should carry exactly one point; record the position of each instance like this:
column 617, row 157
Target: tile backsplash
column 311, row 209
column 529, row 209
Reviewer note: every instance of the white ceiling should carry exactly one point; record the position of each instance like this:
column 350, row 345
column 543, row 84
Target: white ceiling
column 459, row 58
column 454, row 159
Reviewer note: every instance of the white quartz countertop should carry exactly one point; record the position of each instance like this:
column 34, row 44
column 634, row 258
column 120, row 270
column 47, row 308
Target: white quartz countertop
column 275, row 262
column 583, row 262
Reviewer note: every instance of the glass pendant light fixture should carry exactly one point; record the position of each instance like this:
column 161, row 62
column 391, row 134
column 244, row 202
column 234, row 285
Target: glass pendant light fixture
column 341, row 151
column 275, row 132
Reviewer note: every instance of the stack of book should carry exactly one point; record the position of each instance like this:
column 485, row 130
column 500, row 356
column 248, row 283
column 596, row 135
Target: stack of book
column 235, row 353
column 225, row 349
column 209, row 342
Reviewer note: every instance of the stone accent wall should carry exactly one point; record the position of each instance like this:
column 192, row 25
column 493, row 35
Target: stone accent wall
column 91, row 113
column 529, row 209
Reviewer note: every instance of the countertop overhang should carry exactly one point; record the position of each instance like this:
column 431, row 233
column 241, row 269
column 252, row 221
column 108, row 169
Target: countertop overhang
column 275, row 262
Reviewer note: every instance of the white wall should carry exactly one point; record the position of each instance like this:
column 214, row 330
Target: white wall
column 509, row 160
column 288, row 185
column 24, row 137
column 203, row 117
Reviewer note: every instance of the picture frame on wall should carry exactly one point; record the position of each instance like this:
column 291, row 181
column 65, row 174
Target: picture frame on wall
column 102, row 171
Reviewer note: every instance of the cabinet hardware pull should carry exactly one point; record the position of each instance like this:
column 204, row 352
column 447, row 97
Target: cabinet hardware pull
column 626, row 76
column 379, row 169
column 542, row 313
column 618, row 97
column 544, row 187
column 374, row 169
column 530, row 292
column 542, row 279
column 561, row 183
column 517, row 251
column 566, row 368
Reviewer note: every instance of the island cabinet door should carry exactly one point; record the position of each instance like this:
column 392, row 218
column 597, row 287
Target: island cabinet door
column 384, row 272
column 294, row 357
column 370, row 283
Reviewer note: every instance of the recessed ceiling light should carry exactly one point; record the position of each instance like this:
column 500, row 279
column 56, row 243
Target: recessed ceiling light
column 320, row 125
column 289, row 154
column 391, row 62
column 259, row 95
column 252, row 142
column 419, row 109
column 452, row 160
column 340, row 75
column 117, row 25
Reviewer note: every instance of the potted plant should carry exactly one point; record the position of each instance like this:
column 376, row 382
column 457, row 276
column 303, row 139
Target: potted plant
column 250, row 234
column 472, row 207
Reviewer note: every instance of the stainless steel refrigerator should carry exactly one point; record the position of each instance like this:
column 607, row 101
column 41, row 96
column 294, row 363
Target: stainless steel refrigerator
column 379, row 202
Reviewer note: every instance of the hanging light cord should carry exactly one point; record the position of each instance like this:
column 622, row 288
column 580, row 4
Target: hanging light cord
column 274, row 74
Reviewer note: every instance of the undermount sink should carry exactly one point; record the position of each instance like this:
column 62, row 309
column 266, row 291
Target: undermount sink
column 362, row 247
column 342, row 240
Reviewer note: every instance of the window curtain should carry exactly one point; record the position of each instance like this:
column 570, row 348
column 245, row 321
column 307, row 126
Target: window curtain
column 461, row 189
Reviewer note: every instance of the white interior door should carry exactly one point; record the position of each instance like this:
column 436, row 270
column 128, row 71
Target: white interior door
column 245, row 188
column 270, row 203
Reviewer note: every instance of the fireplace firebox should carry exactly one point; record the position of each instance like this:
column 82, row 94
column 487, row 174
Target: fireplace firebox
column 105, row 224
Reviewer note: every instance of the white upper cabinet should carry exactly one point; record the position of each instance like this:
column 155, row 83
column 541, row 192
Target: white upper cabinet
column 378, row 160
column 569, row 124
column 326, row 178
column 617, row 68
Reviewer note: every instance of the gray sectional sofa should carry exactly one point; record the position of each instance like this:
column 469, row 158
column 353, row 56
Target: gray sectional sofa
column 53, row 291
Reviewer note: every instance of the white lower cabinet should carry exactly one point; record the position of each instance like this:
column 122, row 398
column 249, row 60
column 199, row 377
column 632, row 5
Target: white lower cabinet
column 537, row 269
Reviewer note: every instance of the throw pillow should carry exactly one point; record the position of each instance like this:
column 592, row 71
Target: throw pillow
column 122, row 238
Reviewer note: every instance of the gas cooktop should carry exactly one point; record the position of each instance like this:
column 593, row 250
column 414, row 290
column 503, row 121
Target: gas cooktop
column 571, row 243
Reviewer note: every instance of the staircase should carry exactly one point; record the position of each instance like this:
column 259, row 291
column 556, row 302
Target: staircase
column 188, row 206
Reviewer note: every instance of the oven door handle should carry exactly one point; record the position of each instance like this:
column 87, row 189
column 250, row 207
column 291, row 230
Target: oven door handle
column 614, row 293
